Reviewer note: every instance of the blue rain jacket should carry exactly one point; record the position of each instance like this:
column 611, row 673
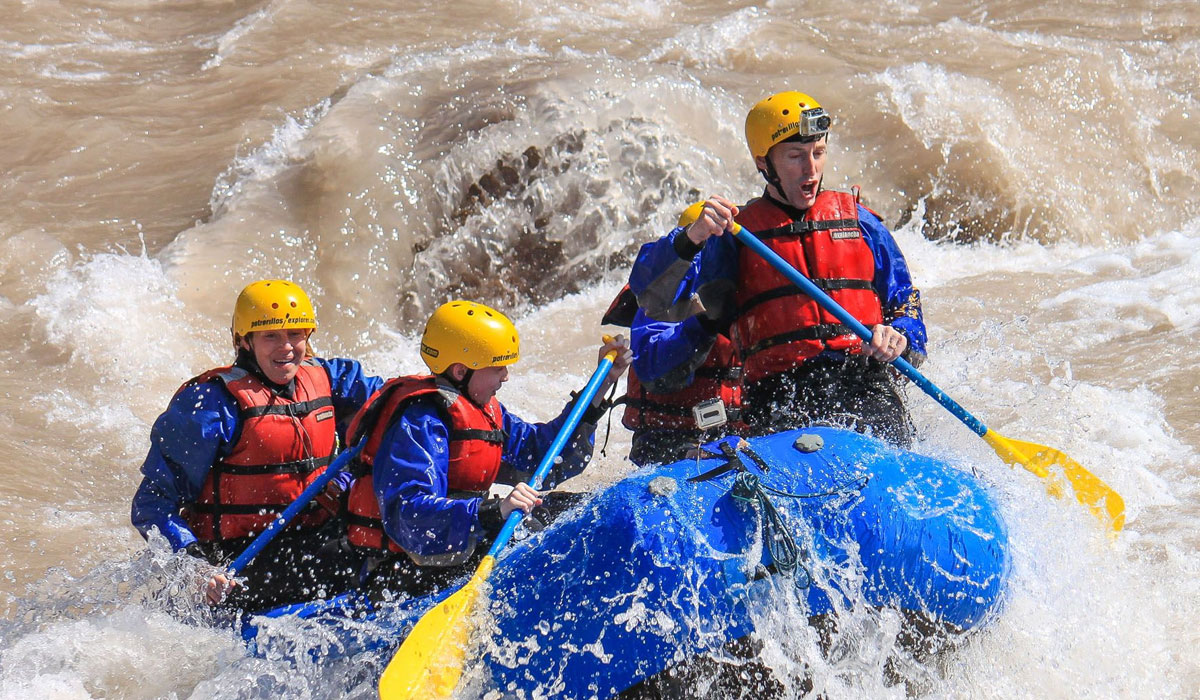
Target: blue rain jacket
column 660, row 347
column 198, row 428
column 412, row 465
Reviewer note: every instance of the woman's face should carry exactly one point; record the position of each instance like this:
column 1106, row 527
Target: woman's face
column 279, row 353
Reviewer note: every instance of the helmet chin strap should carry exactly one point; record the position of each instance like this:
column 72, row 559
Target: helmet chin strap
column 461, row 384
column 772, row 178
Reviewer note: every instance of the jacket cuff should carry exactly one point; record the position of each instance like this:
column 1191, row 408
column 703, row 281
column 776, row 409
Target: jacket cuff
column 490, row 520
column 593, row 414
column 684, row 248
column 915, row 358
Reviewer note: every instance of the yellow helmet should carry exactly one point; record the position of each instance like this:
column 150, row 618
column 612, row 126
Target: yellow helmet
column 689, row 215
column 269, row 305
column 783, row 116
column 470, row 333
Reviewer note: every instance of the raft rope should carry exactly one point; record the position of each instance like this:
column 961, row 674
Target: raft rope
column 786, row 554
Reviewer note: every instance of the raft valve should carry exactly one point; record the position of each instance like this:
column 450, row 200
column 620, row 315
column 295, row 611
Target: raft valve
column 808, row 443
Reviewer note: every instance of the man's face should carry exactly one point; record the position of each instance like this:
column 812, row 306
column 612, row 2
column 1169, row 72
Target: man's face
column 486, row 382
column 800, row 167
column 278, row 353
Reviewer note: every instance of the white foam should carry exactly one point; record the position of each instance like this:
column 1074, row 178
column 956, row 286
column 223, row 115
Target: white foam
column 126, row 331
column 108, row 654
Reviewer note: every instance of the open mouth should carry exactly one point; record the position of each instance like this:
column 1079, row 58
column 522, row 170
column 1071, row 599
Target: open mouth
column 809, row 189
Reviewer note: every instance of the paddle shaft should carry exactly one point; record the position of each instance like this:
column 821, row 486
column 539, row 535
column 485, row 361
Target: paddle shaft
column 292, row 510
column 753, row 243
column 564, row 434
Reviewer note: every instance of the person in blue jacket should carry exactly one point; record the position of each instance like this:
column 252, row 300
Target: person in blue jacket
column 435, row 445
column 800, row 364
column 238, row 444
column 699, row 399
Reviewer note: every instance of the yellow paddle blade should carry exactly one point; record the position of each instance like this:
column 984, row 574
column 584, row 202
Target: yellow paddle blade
column 430, row 661
column 1048, row 463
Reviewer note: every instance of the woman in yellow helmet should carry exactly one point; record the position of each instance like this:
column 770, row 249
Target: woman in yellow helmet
column 800, row 365
column 436, row 443
column 238, row 444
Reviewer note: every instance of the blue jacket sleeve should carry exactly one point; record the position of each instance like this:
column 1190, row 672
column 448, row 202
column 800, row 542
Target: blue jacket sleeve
column 653, row 261
column 663, row 277
column 666, row 354
column 410, row 477
column 412, row 467
column 668, row 271
column 194, row 432
column 526, row 443
column 900, row 300
column 350, row 386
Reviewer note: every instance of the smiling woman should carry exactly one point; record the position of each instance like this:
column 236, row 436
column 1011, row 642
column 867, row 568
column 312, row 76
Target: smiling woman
column 238, row 444
column 272, row 320
column 278, row 353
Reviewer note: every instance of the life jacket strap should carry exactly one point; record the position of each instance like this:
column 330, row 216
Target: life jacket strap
column 788, row 290
column 297, row 409
column 803, row 226
column 302, row 466
column 493, row 436
column 821, row 331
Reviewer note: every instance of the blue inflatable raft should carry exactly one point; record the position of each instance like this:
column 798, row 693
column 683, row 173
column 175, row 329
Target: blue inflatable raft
column 665, row 565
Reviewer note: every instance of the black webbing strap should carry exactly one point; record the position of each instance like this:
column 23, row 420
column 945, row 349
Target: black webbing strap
column 297, row 409
column 790, row 290
column 797, row 228
column 821, row 331
column 300, row 466
column 492, row 436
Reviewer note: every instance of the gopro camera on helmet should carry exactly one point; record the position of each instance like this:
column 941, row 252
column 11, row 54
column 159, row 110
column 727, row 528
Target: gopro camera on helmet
column 710, row 413
column 815, row 122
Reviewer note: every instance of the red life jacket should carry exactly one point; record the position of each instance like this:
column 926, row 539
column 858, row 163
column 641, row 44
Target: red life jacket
column 778, row 327
column 719, row 377
column 283, row 446
column 476, row 448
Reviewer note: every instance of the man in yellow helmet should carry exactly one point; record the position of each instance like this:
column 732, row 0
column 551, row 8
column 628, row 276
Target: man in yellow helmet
column 436, row 443
column 238, row 444
column 800, row 364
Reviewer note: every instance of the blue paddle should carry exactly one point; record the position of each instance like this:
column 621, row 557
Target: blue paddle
column 1104, row 502
column 278, row 524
